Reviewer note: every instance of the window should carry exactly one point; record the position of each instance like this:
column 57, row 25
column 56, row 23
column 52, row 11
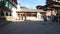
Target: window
column 10, row 5
column 7, row 4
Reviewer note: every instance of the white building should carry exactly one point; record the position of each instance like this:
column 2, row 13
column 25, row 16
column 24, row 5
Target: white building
column 14, row 15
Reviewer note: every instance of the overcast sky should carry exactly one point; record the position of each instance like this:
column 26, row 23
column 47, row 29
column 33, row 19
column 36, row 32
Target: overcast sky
column 31, row 3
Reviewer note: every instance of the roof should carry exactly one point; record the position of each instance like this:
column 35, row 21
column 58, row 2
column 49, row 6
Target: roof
column 31, row 10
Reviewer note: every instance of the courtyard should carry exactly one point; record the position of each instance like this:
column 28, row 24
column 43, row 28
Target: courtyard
column 30, row 27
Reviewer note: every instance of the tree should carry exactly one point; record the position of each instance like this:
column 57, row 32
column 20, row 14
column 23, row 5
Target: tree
column 23, row 7
column 39, row 7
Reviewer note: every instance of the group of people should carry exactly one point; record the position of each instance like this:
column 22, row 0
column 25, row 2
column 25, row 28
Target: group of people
column 50, row 15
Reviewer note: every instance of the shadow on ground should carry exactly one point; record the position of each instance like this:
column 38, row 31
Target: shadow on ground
column 3, row 21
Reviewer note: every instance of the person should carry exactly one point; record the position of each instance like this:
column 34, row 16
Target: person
column 45, row 18
column 53, row 16
column 47, row 15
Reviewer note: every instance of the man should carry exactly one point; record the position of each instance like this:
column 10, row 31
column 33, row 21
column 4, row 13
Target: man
column 53, row 15
column 47, row 15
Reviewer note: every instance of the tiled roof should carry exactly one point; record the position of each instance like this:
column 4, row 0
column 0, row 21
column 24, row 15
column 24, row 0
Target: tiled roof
column 31, row 10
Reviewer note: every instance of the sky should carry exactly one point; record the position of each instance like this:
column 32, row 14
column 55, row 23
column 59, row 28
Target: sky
column 31, row 3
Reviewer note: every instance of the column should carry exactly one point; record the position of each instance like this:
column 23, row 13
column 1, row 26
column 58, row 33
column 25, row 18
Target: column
column 4, row 13
column 25, row 15
column 8, row 13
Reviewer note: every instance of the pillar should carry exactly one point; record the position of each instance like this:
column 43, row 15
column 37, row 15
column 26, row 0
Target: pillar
column 25, row 15
column 4, row 13
column 8, row 13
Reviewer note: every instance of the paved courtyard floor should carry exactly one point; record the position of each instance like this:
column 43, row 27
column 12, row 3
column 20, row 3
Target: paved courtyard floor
column 30, row 27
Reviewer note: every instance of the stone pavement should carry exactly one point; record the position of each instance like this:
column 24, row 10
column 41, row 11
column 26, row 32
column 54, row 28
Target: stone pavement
column 30, row 27
column 2, row 22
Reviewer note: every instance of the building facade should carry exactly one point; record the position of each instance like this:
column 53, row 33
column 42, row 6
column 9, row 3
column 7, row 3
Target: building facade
column 39, row 14
column 6, row 7
column 53, row 8
column 25, row 12
column 53, row 4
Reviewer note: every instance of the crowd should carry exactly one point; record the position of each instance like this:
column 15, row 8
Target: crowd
column 50, row 15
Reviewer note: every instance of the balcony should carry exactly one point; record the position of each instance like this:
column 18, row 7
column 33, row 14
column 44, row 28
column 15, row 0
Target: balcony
column 14, row 3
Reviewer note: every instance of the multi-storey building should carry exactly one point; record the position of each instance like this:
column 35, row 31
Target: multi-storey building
column 53, row 5
column 6, row 7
